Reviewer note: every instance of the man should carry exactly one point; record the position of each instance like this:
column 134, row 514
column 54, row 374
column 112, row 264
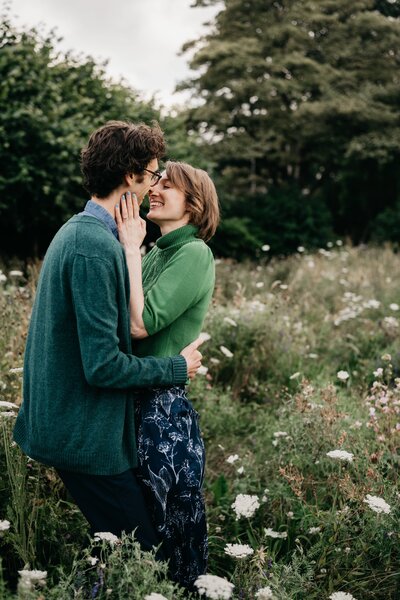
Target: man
column 79, row 373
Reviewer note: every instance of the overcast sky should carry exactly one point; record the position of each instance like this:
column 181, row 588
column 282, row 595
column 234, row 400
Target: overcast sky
column 140, row 38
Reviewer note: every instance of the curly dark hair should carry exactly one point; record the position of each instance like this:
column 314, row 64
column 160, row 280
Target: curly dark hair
column 116, row 149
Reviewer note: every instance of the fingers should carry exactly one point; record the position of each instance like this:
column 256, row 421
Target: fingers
column 135, row 206
column 117, row 214
column 196, row 343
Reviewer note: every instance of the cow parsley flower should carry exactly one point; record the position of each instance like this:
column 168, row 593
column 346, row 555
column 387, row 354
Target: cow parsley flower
column 268, row 532
column 29, row 578
column 279, row 434
column 342, row 375
column 340, row 455
column 16, row 370
column 377, row 504
column 245, row 505
column 314, row 530
column 226, row 352
column 230, row 321
column 238, row 550
column 265, row 593
column 232, row 458
column 5, row 404
column 106, row 536
column 341, row 596
column 155, row 596
column 214, row 587
column 4, row 525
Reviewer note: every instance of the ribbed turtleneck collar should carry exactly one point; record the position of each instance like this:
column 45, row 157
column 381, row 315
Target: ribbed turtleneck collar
column 178, row 236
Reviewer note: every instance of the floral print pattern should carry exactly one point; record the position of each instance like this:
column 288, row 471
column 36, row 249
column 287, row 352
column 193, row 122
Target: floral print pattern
column 171, row 468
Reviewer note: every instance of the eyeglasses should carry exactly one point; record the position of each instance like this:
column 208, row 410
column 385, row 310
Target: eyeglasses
column 155, row 176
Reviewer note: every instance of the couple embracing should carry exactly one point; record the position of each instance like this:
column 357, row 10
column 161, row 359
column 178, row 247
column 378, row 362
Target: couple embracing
column 113, row 341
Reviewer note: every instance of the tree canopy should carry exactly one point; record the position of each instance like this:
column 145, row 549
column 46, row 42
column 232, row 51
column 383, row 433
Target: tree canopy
column 300, row 111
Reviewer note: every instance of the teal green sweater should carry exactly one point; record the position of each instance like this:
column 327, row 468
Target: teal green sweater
column 79, row 371
column 178, row 282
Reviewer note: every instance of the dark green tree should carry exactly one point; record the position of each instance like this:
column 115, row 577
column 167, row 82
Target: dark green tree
column 300, row 106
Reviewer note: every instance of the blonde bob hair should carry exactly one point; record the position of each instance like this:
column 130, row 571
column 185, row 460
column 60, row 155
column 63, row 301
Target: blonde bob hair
column 200, row 195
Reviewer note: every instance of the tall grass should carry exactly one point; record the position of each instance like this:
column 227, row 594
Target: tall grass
column 272, row 407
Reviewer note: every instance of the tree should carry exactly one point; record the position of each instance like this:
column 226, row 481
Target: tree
column 302, row 95
column 49, row 104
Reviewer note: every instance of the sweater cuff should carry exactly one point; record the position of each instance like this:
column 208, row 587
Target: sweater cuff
column 179, row 369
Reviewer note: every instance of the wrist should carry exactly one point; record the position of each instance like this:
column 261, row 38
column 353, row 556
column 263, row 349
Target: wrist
column 133, row 251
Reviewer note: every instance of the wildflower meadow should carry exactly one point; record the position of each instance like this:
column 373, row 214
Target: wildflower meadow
column 299, row 402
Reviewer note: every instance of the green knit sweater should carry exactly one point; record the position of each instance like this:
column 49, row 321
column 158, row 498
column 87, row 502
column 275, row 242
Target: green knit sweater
column 178, row 282
column 78, row 407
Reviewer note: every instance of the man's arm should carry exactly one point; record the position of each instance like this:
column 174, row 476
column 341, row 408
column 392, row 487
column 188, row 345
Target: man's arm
column 94, row 294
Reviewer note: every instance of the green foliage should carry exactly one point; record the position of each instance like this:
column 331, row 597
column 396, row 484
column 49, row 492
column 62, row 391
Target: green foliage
column 386, row 226
column 278, row 405
column 49, row 104
column 301, row 96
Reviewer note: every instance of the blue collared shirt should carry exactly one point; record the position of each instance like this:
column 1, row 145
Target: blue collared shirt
column 95, row 210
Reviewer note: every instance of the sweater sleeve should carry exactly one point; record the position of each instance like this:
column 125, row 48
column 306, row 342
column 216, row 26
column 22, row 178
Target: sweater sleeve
column 94, row 294
column 189, row 274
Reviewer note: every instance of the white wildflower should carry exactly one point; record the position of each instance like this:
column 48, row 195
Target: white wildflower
column 394, row 306
column 204, row 336
column 215, row 361
column 230, row 321
column 92, row 560
column 5, row 404
column 290, row 514
column 16, row 370
column 295, row 375
column 265, row 248
column 342, row 375
column 377, row 504
column 16, row 274
column 341, row 596
column 214, row 587
column 238, row 550
column 340, row 455
column 232, row 458
column 300, row 249
column 226, row 352
column 155, row 596
column 268, row 532
column 314, row 530
column 2, row 277
column 259, row 284
column 378, row 372
column 106, row 536
column 240, row 470
column 245, row 505
column 29, row 578
column 313, row 355
column 279, row 434
column 202, row 370
column 265, row 593
column 4, row 525
column 386, row 357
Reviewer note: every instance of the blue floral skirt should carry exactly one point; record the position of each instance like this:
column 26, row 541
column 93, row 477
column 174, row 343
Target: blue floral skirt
column 171, row 460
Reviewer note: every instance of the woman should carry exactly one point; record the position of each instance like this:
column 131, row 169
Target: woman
column 168, row 311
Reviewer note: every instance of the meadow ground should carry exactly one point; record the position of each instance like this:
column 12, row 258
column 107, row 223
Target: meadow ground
column 300, row 412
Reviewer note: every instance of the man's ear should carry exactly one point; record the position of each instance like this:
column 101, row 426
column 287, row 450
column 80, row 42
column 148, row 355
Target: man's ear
column 129, row 179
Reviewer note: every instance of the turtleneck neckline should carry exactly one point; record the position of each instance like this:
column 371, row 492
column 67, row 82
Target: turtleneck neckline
column 177, row 236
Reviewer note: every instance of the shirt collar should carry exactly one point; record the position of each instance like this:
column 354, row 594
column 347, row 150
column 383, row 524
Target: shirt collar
column 95, row 210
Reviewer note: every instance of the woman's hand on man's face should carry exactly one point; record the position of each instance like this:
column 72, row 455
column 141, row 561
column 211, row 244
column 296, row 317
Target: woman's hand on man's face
column 131, row 227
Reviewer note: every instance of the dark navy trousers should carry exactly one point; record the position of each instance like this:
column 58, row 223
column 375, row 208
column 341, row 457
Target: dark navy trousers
column 113, row 503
